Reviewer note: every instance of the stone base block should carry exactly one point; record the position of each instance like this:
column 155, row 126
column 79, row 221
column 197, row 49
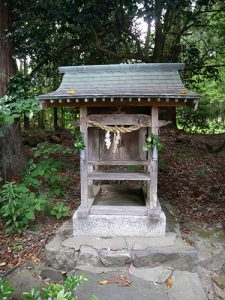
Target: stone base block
column 118, row 225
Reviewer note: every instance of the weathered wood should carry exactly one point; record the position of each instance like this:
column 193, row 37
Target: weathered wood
column 83, row 210
column 120, row 119
column 126, row 102
column 118, row 210
column 154, row 164
column 119, row 162
column 118, row 175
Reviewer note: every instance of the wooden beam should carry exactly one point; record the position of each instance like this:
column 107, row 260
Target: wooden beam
column 126, row 102
column 83, row 210
column 154, row 163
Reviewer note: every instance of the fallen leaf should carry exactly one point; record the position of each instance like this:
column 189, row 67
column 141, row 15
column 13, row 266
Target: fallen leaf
column 103, row 282
column 169, row 282
column 2, row 264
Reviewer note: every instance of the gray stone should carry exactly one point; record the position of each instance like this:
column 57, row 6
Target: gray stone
column 139, row 289
column 115, row 258
column 206, row 281
column 88, row 256
column 66, row 229
column 157, row 274
column 141, row 243
column 53, row 274
column 113, row 243
column 213, row 263
column 167, row 256
column 59, row 257
column 186, row 286
column 97, row 270
column 23, row 281
column 119, row 225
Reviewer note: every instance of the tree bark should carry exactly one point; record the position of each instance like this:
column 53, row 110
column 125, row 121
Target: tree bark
column 55, row 118
column 12, row 158
column 41, row 119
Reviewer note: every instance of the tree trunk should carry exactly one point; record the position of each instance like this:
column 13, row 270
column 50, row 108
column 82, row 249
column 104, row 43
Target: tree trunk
column 41, row 119
column 12, row 157
column 62, row 117
column 26, row 122
column 55, row 124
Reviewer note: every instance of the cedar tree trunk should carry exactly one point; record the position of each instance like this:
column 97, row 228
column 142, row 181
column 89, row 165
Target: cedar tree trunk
column 12, row 157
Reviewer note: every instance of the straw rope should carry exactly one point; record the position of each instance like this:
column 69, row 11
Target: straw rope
column 116, row 128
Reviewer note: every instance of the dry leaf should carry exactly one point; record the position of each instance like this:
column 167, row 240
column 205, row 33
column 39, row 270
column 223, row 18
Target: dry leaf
column 103, row 282
column 2, row 264
column 169, row 282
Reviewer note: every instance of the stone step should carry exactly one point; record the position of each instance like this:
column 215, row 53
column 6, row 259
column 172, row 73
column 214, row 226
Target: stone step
column 170, row 251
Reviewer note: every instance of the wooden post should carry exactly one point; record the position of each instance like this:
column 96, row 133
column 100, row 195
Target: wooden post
column 83, row 210
column 154, row 163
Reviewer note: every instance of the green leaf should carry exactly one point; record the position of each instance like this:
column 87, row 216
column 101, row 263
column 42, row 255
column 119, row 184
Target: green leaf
column 30, row 215
column 9, row 119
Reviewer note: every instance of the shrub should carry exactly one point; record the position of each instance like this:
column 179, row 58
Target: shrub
column 60, row 210
column 18, row 206
column 5, row 290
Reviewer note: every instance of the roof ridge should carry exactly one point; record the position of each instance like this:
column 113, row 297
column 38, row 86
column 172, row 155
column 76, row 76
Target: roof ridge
column 123, row 67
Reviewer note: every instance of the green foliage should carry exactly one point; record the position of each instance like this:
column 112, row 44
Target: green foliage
column 209, row 117
column 18, row 206
column 5, row 290
column 33, row 295
column 65, row 291
column 60, row 210
column 152, row 140
column 45, row 171
column 20, row 99
column 79, row 140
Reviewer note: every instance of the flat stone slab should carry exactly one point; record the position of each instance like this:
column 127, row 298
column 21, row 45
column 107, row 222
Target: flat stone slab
column 140, row 243
column 213, row 263
column 113, row 243
column 97, row 270
column 157, row 274
column 118, row 243
column 139, row 289
column 186, row 286
column 183, row 258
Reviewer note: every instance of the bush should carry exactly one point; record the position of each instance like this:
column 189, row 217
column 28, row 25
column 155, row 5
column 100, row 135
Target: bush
column 60, row 210
column 18, row 206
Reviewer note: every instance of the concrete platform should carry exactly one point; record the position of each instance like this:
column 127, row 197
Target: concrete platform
column 119, row 225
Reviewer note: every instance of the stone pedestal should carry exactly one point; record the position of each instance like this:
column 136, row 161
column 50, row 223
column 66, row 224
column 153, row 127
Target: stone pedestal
column 120, row 225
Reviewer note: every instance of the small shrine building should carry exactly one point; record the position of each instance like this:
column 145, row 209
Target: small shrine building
column 119, row 122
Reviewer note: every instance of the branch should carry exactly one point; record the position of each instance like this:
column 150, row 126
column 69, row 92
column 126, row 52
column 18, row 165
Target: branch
column 126, row 55
column 53, row 53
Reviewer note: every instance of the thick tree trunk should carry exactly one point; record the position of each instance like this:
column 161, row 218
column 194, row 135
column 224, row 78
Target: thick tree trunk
column 12, row 157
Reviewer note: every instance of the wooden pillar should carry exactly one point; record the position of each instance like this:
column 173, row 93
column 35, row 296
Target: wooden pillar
column 154, row 162
column 83, row 210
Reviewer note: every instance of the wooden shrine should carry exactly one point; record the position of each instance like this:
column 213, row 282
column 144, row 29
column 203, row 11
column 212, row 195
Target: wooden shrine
column 119, row 107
